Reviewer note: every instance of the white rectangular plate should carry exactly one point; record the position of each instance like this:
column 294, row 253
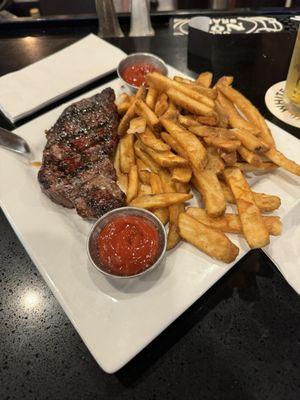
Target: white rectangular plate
column 116, row 319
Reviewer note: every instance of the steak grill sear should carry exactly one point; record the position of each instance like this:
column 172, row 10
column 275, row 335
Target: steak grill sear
column 77, row 169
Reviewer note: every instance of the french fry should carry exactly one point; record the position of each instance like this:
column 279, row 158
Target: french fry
column 224, row 80
column 141, row 93
column 123, row 98
column 182, row 187
column 211, row 120
column 143, row 171
column 249, row 156
column 173, row 237
column 151, row 97
column 188, row 120
column 280, row 159
column 208, row 92
column 156, row 186
column 149, row 139
column 192, row 147
column 250, row 111
column 231, row 223
column 123, row 107
column 205, row 79
column 153, row 201
column 127, row 157
column 250, row 141
column 210, row 241
column 164, row 84
column 213, row 131
column 165, row 159
column 181, row 174
column 188, row 103
column 224, row 144
column 174, row 144
column 144, row 189
column 133, row 184
column 265, row 202
column 127, row 117
column 161, row 105
column 235, row 118
column 223, row 119
column 264, row 167
column 208, row 185
column 144, row 111
column 214, row 161
column 171, row 112
column 122, row 179
column 229, row 158
column 137, row 125
column 140, row 153
column 253, row 226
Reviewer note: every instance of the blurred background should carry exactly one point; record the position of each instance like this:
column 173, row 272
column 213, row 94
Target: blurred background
column 44, row 8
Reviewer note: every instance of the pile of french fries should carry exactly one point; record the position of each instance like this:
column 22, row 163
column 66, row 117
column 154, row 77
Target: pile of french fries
column 178, row 134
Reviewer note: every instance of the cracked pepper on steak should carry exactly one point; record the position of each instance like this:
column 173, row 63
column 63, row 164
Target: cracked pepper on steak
column 77, row 169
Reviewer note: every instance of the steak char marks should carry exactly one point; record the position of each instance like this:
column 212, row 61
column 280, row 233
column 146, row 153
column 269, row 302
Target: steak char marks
column 77, row 169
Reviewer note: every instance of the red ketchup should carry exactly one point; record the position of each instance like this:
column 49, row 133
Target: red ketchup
column 135, row 74
column 128, row 245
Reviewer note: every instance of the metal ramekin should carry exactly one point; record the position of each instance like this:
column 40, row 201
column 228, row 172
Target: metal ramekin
column 138, row 58
column 105, row 219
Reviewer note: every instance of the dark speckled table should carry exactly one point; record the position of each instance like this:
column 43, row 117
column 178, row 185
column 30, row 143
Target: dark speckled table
column 240, row 341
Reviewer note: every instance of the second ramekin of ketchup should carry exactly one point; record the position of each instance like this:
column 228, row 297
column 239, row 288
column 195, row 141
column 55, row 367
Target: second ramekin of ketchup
column 127, row 242
column 133, row 69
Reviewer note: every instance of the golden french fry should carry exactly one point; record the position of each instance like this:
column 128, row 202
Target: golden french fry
column 250, row 141
column 231, row 223
column 188, row 103
column 214, row 161
column 127, row 157
column 192, row 147
column 171, row 112
column 156, row 186
column 182, row 187
column 235, row 118
column 133, row 184
column 144, row 111
column 228, row 158
column 164, row 84
column 249, row 156
column 123, row 107
column 188, row 120
column 253, row 226
column 208, row 185
column 140, row 153
column 173, row 237
column 141, row 93
column 213, row 131
column 127, row 117
column 205, row 79
column 264, row 167
column 174, row 144
column 123, row 98
column 149, row 139
column 144, row 189
column 151, row 97
column 153, row 201
column 224, row 80
column 122, row 179
column 250, row 111
column 143, row 171
column 210, row 241
column 280, row 159
column 161, row 105
column 166, row 180
column 224, row 144
column 208, row 92
column 211, row 120
column 137, row 125
column 265, row 202
column 165, row 159
column 223, row 120
column 181, row 174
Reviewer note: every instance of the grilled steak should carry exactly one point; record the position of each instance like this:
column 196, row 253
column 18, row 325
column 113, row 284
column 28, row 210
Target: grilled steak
column 77, row 169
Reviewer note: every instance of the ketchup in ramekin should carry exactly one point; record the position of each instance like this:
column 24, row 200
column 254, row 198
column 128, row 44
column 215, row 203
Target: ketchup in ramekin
column 128, row 245
column 135, row 74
